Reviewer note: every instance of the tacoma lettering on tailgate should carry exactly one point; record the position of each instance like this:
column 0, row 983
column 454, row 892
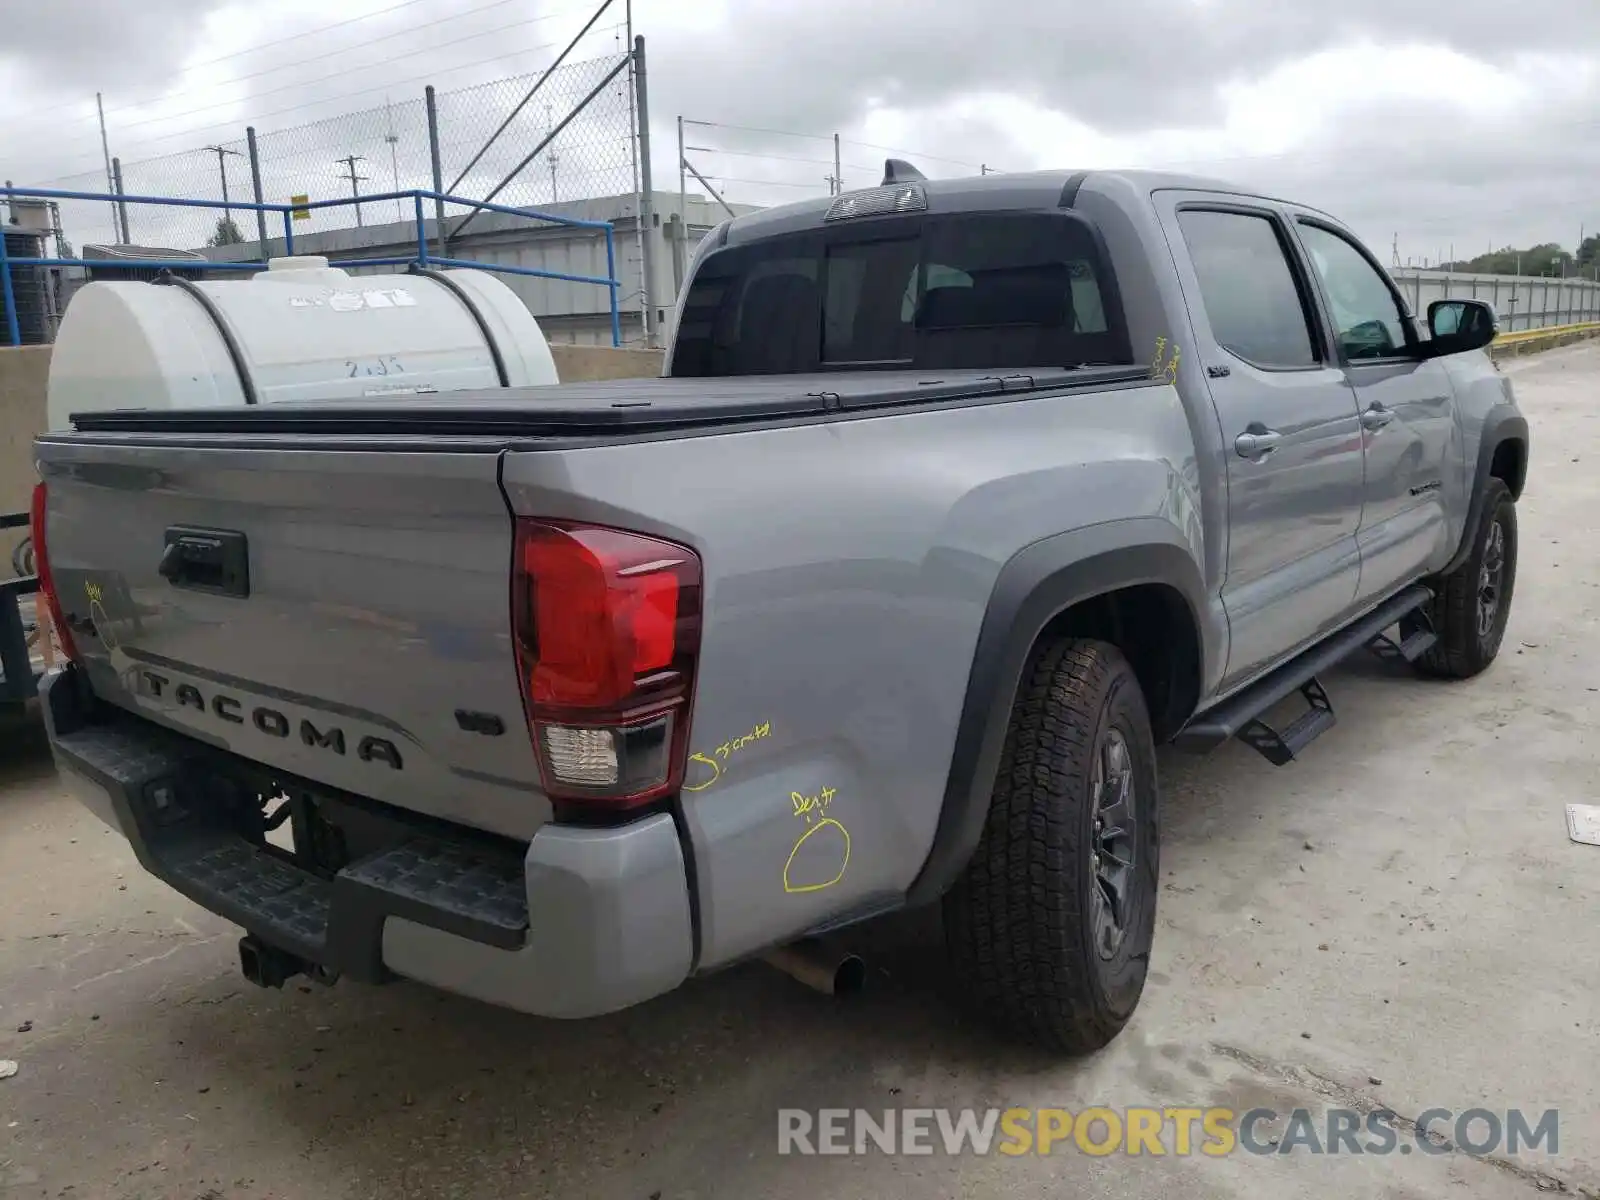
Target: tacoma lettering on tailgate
column 269, row 720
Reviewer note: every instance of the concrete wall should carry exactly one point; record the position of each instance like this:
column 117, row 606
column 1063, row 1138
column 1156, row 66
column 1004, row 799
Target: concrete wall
column 1521, row 302
column 578, row 364
column 23, row 374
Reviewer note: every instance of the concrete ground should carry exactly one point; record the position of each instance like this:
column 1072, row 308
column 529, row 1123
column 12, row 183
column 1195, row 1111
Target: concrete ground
column 1398, row 920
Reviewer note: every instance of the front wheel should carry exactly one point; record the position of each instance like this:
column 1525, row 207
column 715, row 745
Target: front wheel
column 1051, row 923
column 1472, row 603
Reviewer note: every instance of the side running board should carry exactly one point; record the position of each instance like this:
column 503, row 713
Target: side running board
column 1240, row 715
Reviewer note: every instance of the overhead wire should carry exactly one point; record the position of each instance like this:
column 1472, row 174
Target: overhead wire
column 293, row 37
column 387, row 86
column 428, row 49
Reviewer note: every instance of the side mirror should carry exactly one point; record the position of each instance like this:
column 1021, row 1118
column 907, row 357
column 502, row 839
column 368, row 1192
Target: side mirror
column 1456, row 326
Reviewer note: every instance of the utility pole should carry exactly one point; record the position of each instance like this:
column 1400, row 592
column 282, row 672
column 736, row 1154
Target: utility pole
column 641, row 90
column 552, row 158
column 350, row 161
column 394, row 159
column 105, row 148
column 122, row 205
column 838, row 169
column 1395, row 249
column 222, row 153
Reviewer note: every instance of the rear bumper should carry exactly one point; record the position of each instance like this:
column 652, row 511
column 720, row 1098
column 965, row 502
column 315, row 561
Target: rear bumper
column 586, row 922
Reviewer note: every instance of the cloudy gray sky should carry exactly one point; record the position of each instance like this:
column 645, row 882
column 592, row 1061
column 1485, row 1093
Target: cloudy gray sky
column 1459, row 124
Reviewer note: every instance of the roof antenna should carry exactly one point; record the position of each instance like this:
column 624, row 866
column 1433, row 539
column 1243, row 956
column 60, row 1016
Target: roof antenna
column 898, row 170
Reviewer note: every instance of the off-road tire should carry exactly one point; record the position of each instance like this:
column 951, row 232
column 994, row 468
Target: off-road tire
column 1019, row 922
column 1463, row 649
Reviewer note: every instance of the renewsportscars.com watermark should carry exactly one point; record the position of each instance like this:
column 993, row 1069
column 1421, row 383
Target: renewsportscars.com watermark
column 1181, row 1132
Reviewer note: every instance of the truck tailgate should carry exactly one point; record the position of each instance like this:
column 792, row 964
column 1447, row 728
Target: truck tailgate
column 340, row 614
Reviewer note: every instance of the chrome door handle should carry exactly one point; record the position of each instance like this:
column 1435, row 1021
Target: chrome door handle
column 1376, row 417
column 1255, row 444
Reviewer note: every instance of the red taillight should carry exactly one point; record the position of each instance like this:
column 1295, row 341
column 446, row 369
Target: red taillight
column 607, row 632
column 47, row 583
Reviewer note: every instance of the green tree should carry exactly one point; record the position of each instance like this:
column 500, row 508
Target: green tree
column 227, row 233
column 1547, row 258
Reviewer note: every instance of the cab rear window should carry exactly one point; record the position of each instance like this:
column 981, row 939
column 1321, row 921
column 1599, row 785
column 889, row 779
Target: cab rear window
column 975, row 291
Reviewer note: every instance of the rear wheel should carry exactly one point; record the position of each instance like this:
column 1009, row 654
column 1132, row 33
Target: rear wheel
column 1051, row 923
column 1472, row 603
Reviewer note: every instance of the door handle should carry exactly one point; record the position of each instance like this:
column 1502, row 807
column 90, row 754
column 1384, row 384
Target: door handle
column 1376, row 416
column 1257, row 442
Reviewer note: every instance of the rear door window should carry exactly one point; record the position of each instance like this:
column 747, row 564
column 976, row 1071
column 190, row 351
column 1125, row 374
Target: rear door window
column 958, row 292
column 1248, row 288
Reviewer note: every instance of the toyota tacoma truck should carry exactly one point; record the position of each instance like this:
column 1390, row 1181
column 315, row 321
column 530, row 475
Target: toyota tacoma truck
column 956, row 500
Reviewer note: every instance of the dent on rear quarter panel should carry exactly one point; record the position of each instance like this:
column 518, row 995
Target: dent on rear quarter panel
column 848, row 566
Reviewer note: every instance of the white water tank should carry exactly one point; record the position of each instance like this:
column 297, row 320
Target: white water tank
column 300, row 330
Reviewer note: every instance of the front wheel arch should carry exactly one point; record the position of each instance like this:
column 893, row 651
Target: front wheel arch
column 1503, row 455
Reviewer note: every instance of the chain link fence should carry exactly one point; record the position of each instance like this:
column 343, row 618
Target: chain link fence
column 592, row 155
column 199, row 173
column 382, row 149
column 385, row 149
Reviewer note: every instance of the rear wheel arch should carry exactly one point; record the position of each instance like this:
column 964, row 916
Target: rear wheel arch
column 1159, row 634
column 1108, row 582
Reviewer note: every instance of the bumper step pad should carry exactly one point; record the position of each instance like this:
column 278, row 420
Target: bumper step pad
column 254, row 888
column 465, row 887
column 448, row 887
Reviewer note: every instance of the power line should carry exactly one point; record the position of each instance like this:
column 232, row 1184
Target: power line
column 821, row 137
column 429, row 49
column 334, row 53
column 293, row 37
column 320, row 101
column 818, row 137
column 819, row 162
column 762, row 182
column 912, row 153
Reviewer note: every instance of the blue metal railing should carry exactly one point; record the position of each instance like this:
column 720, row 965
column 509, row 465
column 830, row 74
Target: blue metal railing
column 422, row 258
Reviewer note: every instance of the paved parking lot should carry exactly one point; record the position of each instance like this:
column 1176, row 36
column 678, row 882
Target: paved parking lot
column 1396, row 921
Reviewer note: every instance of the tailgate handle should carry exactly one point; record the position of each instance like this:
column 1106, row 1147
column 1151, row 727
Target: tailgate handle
column 206, row 560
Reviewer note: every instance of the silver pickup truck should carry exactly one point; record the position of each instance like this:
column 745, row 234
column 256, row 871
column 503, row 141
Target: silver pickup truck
column 955, row 501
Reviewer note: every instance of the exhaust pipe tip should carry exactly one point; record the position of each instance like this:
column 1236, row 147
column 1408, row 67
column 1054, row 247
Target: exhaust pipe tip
column 821, row 967
column 850, row 976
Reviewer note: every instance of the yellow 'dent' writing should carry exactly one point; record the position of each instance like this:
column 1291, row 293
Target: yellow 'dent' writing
column 806, row 806
column 1165, row 363
column 821, row 853
column 706, row 769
